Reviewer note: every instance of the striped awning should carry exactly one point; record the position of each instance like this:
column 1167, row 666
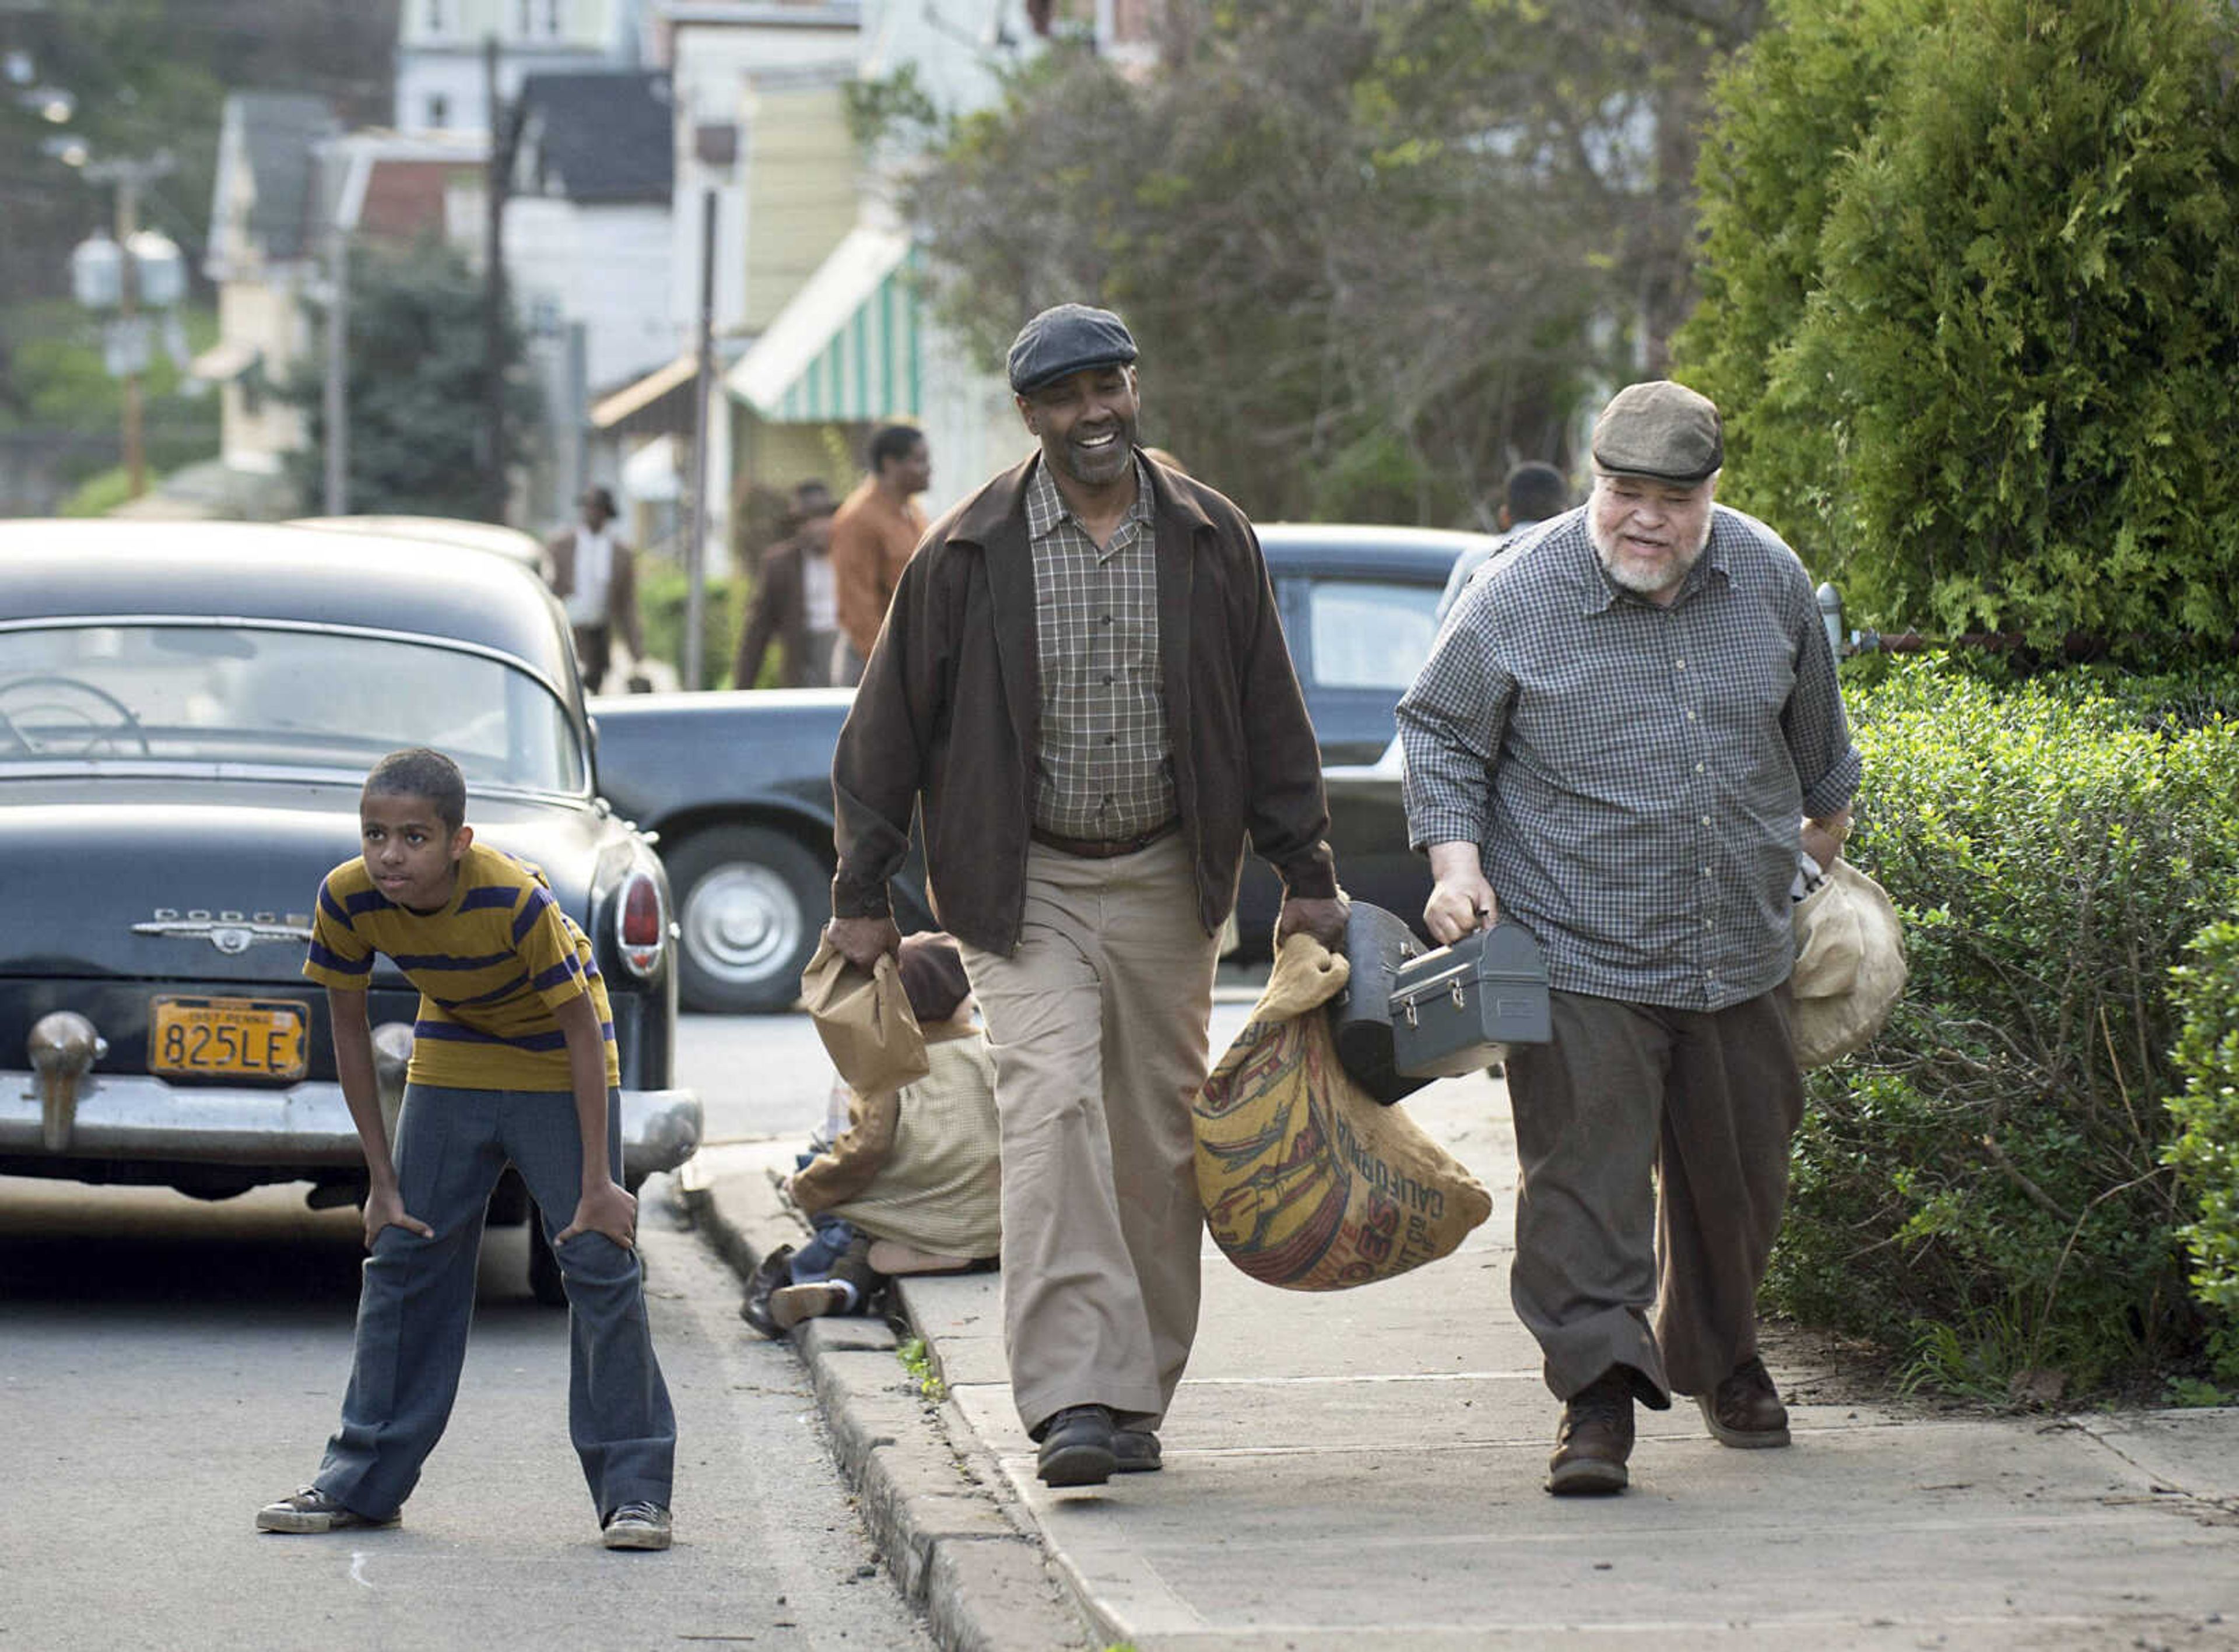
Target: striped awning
column 846, row 348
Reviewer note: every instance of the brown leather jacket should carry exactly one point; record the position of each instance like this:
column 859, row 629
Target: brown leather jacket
column 780, row 615
column 622, row 586
column 947, row 715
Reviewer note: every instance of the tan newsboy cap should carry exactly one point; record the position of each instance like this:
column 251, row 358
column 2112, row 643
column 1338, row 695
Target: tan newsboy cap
column 1660, row 429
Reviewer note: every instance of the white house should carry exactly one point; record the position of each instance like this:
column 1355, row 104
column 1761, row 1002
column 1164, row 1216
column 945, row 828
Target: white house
column 265, row 253
column 440, row 78
column 587, row 226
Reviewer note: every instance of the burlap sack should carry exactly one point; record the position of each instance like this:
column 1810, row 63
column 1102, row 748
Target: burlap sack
column 1308, row 1183
column 864, row 1020
column 1850, row 965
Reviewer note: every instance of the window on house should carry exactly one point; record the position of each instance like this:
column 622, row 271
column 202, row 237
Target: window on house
column 552, row 18
column 521, row 14
column 434, row 16
column 438, row 110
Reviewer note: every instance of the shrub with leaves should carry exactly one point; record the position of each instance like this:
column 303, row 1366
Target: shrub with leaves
column 1985, row 1181
column 2206, row 1151
column 663, row 597
column 418, row 395
column 1973, row 306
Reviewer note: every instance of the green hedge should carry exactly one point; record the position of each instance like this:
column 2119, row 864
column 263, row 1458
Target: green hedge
column 2206, row 1151
column 662, row 596
column 1971, row 307
column 1985, row 1183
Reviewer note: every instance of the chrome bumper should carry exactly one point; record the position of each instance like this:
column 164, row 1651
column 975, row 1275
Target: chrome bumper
column 132, row 1116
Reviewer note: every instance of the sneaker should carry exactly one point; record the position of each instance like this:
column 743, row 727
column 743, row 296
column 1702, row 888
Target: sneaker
column 637, row 1525
column 1744, row 1411
column 312, row 1511
column 1595, row 1439
column 1136, row 1452
column 1076, row 1448
column 790, row 1304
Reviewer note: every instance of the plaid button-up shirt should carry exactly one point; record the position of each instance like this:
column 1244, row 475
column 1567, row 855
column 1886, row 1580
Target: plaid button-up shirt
column 1635, row 775
column 1104, row 769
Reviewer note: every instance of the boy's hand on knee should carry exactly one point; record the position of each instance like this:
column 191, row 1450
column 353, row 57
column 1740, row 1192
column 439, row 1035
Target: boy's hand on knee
column 384, row 1208
column 607, row 1209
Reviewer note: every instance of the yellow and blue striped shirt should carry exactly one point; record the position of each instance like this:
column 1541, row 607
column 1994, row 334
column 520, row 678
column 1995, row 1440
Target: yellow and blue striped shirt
column 491, row 966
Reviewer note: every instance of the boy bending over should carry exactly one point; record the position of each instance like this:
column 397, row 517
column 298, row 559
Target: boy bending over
column 513, row 1058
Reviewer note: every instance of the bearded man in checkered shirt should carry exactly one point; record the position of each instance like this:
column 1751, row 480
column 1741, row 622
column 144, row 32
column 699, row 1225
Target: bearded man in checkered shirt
column 1083, row 690
column 1621, row 740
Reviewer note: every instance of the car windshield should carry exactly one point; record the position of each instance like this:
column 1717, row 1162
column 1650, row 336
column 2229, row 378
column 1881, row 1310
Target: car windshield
column 1371, row 633
column 266, row 697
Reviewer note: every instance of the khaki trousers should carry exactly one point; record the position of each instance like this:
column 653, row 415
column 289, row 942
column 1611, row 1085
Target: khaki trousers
column 1099, row 1025
column 1703, row 1103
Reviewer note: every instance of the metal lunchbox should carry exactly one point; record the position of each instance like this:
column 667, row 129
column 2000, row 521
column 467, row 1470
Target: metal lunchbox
column 1453, row 1009
column 1375, row 945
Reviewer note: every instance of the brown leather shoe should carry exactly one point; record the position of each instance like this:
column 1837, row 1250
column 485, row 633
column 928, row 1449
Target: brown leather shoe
column 1744, row 1411
column 1595, row 1440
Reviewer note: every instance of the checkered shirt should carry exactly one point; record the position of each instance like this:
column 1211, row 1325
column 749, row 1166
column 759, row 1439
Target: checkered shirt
column 1104, row 769
column 1635, row 775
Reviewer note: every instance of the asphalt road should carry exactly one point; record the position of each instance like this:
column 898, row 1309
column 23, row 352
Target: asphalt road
column 166, row 1366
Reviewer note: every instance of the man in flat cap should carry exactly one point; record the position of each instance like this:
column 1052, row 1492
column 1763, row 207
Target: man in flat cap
column 1628, row 733
column 1083, row 687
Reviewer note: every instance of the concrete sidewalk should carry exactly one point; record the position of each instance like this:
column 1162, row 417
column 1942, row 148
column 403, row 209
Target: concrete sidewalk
column 1364, row 1470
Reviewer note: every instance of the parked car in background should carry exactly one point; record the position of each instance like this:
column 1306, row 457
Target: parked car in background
column 737, row 785
column 187, row 715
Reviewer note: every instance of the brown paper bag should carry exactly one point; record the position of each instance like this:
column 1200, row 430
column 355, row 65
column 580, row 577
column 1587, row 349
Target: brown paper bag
column 1308, row 1182
column 864, row 1020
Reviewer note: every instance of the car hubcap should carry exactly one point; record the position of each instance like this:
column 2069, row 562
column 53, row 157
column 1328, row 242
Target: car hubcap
column 740, row 923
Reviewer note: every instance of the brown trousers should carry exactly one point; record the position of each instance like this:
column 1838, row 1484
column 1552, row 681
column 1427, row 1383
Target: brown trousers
column 1099, row 1025
column 1629, row 1099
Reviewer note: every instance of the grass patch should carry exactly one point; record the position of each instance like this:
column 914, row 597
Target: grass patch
column 917, row 1360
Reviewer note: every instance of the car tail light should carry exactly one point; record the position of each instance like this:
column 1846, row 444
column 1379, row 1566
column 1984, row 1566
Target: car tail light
column 640, row 925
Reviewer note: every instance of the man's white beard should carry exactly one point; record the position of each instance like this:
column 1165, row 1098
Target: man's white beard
column 1646, row 581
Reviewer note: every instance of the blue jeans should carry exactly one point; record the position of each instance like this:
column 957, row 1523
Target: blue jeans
column 812, row 1261
column 418, row 1297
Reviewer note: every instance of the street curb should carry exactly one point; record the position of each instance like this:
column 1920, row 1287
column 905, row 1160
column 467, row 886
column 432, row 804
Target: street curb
column 983, row 1582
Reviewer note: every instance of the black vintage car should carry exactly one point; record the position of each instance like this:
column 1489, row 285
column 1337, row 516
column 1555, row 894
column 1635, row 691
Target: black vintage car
column 186, row 713
column 738, row 786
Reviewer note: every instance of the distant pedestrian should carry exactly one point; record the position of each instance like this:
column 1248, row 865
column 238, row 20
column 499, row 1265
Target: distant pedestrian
column 513, row 1061
column 1532, row 493
column 595, row 576
column 1083, row 693
column 1622, row 734
column 796, row 598
column 872, row 536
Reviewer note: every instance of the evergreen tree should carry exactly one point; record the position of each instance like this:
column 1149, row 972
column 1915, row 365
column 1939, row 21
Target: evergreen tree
column 1983, row 359
column 417, row 400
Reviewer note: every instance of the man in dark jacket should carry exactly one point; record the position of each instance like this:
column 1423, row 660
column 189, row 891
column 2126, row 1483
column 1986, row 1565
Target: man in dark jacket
column 796, row 598
column 1083, row 683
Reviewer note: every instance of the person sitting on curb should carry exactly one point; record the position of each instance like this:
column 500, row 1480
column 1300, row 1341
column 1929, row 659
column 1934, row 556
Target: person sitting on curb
column 914, row 1182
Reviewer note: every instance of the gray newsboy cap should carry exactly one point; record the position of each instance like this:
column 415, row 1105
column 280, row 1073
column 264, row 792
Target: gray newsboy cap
column 1064, row 339
column 1660, row 429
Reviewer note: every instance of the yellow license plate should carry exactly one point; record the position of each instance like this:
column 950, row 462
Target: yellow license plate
column 204, row 1037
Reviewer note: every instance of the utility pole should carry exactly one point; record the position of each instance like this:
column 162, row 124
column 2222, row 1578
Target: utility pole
column 696, row 533
column 493, row 287
column 336, row 400
column 132, row 343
